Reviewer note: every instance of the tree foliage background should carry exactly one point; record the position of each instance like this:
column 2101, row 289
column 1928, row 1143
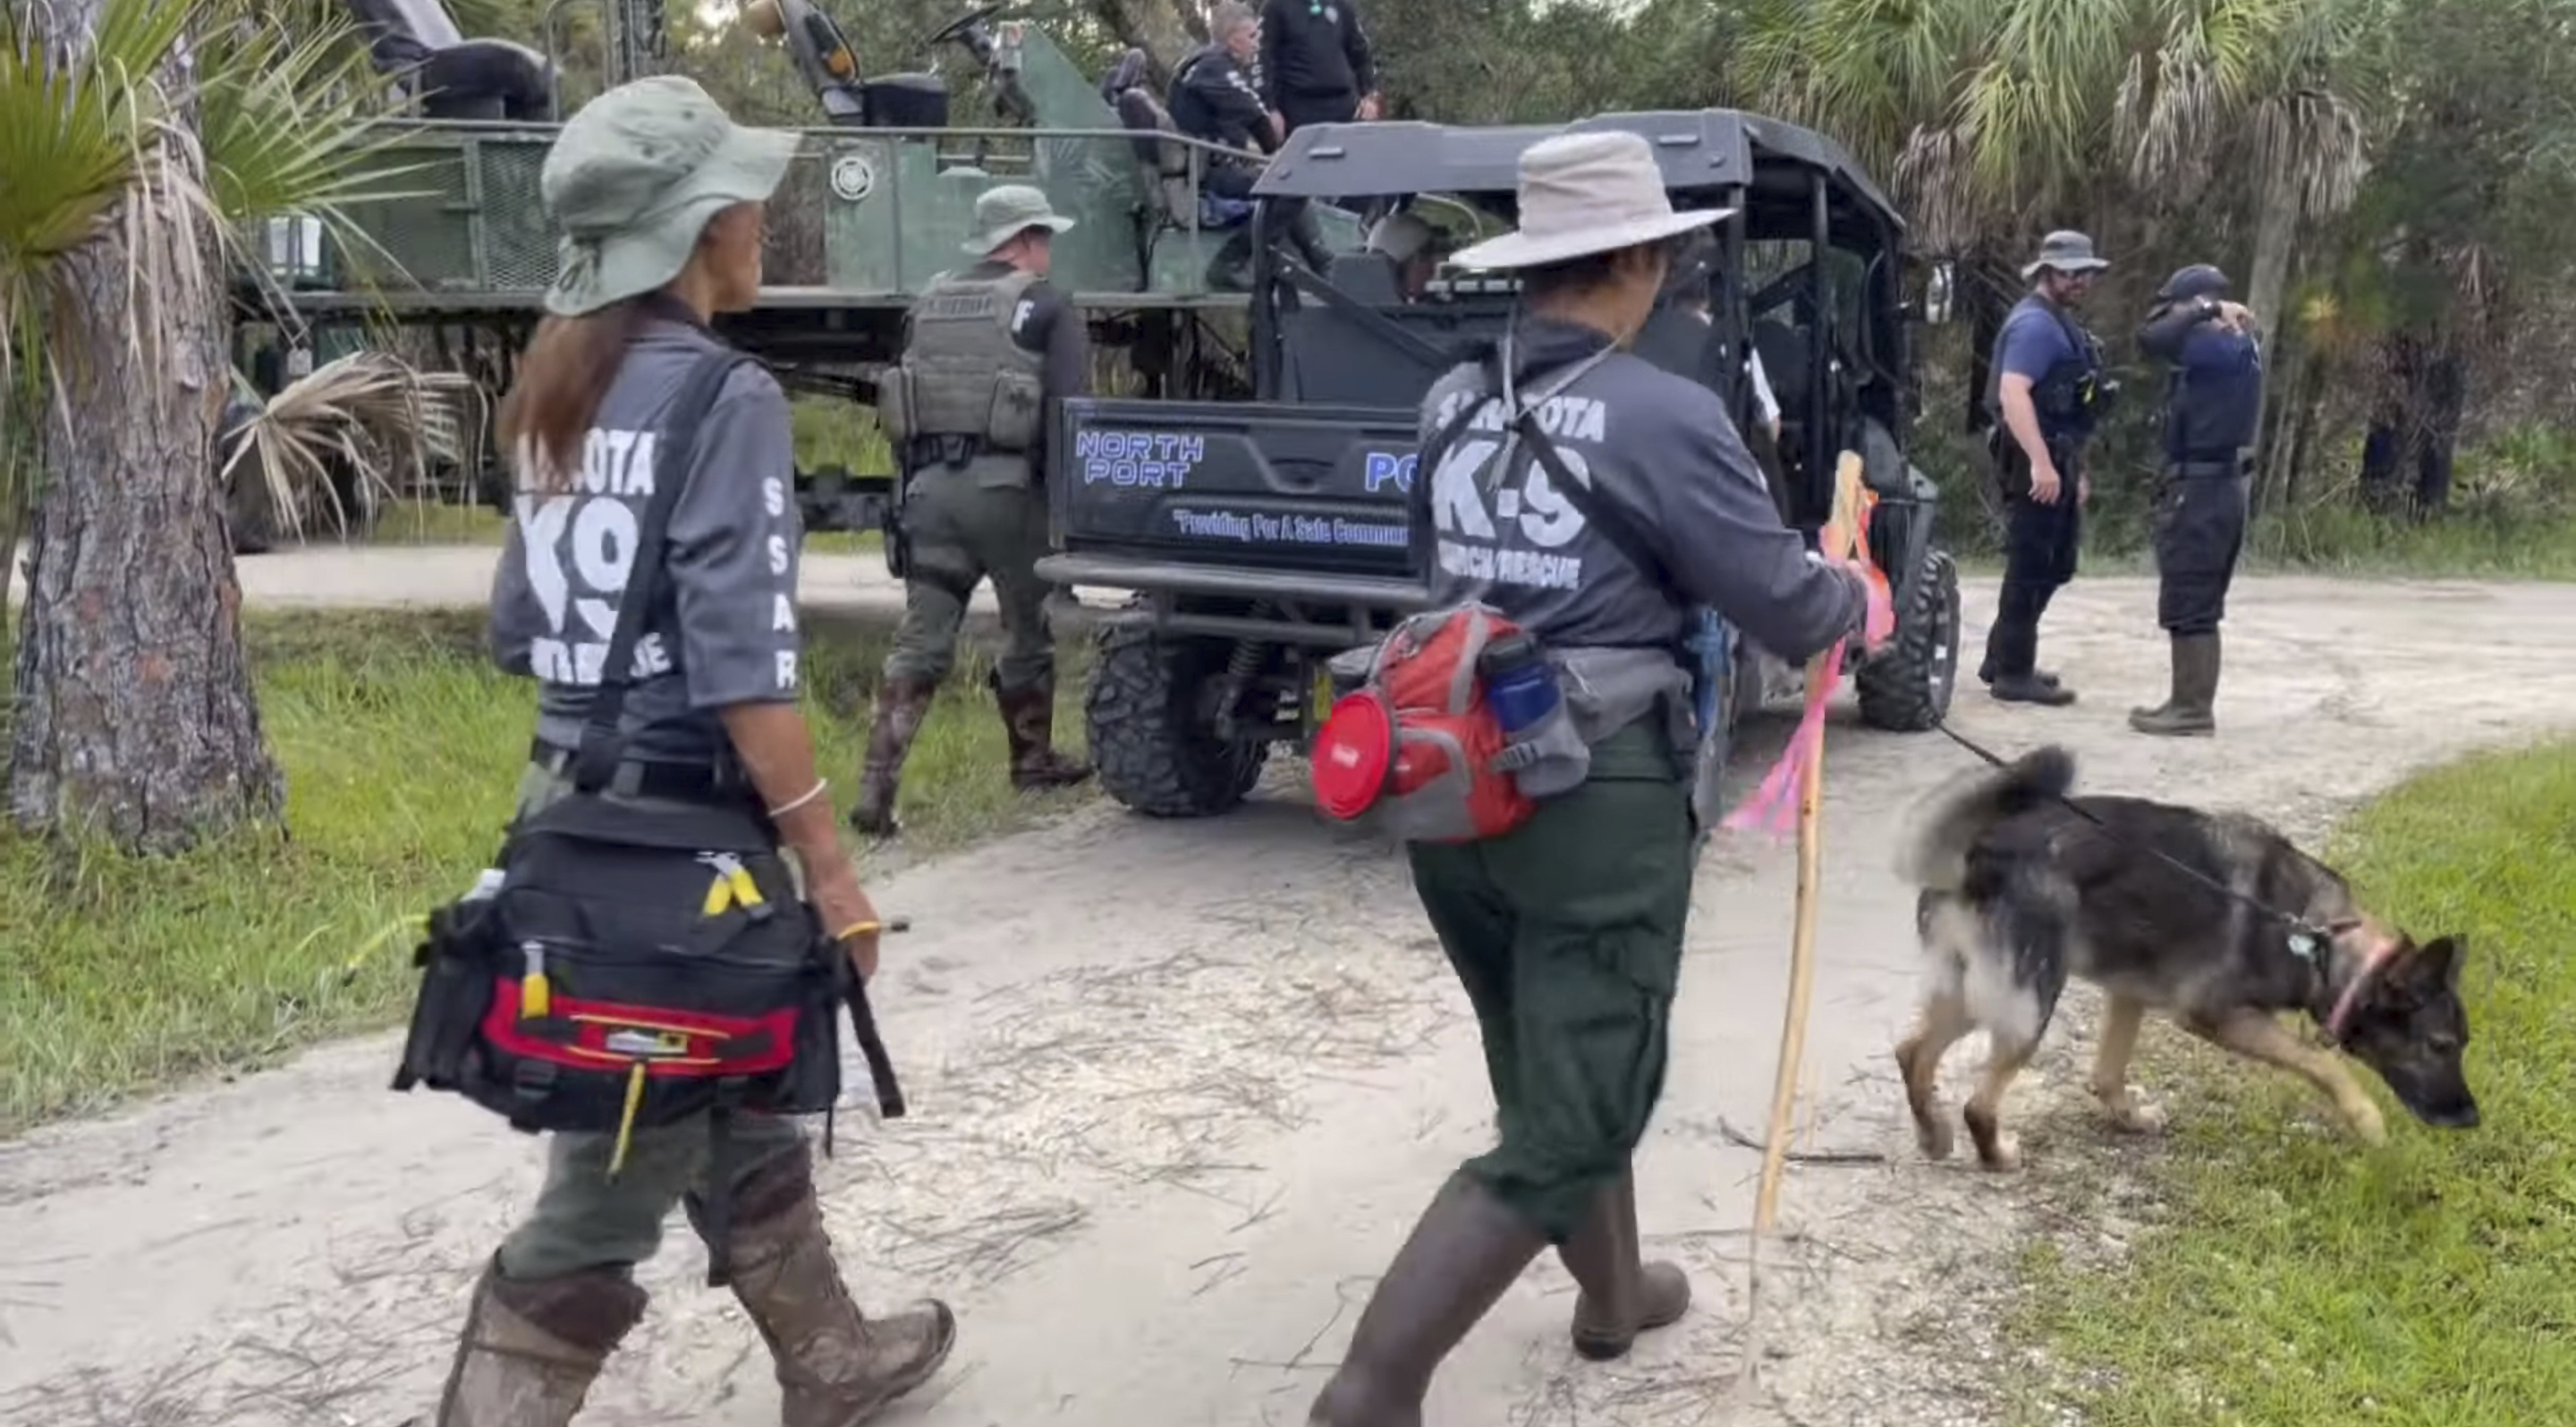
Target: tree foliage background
column 2384, row 180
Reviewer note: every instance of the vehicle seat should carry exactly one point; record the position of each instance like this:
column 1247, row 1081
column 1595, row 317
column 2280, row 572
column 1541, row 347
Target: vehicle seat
column 1333, row 359
column 903, row 101
column 1128, row 73
column 416, row 42
column 1368, row 278
column 1165, row 162
column 1784, row 352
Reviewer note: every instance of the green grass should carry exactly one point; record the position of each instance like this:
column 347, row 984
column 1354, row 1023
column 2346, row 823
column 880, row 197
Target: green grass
column 2290, row 1278
column 2340, row 542
column 832, row 432
column 827, row 432
column 402, row 748
column 431, row 522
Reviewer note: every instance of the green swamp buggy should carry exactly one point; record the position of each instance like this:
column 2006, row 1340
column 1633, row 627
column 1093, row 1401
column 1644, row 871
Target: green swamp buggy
column 456, row 244
column 1261, row 539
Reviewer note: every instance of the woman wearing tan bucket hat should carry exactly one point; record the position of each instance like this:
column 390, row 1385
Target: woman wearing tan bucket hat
column 623, row 389
column 1566, row 931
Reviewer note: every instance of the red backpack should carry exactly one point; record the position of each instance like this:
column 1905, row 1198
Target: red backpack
column 1418, row 740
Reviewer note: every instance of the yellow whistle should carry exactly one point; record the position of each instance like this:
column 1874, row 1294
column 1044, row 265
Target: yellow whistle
column 536, row 994
column 732, row 887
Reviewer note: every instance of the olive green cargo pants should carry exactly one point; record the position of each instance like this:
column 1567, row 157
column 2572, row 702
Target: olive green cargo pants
column 1567, row 934
column 961, row 526
column 584, row 1218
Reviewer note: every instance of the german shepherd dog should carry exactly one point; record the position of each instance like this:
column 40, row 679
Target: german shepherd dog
column 2019, row 890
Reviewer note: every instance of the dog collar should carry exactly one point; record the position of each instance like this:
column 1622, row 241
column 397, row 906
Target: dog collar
column 2350, row 997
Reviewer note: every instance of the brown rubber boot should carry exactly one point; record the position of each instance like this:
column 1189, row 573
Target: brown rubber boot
column 2189, row 713
column 1029, row 716
column 837, row 1367
column 530, row 1350
column 1464, row 1253
column 1622, row 1295
column 901, row 706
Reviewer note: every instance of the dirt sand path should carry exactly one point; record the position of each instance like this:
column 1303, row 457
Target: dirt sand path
column 1180, row 1089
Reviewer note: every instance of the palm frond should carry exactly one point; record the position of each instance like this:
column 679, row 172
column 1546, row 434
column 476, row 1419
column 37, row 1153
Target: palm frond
column 289, row 131
column 369, row 413
column 77, row 117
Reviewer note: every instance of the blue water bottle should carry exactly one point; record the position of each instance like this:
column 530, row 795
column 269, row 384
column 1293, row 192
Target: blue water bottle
column 1518, row 684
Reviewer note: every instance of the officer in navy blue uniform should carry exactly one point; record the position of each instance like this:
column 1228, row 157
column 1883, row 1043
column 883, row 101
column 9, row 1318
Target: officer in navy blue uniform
column 2212, row 401
column 2047, row 394
column 1214, row 97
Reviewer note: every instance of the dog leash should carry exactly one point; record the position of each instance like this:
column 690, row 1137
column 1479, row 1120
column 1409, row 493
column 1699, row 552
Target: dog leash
column 2306, row 938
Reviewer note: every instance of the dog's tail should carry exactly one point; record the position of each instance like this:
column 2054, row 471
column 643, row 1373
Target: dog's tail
column 1949, row 822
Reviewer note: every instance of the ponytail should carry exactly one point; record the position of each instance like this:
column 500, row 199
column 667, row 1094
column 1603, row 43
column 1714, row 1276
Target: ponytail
column 563, row 376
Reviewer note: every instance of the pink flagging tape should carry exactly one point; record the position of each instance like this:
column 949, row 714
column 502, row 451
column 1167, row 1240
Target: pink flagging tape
column 1773, row 807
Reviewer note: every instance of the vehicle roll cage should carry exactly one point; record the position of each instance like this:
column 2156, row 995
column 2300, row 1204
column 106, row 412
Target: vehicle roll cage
column 1783, row 183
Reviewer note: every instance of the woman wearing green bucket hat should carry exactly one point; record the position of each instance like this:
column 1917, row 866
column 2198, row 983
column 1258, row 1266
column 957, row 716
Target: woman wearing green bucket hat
column 625, row 390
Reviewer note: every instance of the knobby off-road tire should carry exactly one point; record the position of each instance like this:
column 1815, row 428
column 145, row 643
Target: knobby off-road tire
column 1153, row 748
column 1906, row 687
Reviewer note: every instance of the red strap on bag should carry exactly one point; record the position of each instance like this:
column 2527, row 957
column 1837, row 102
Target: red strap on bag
column 1418, row 740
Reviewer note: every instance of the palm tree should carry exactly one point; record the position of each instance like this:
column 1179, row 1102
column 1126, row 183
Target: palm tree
column 1994, row 117
column 139, row 138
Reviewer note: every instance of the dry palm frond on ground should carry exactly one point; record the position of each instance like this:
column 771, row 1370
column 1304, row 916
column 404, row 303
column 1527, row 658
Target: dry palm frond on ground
column 369, row 414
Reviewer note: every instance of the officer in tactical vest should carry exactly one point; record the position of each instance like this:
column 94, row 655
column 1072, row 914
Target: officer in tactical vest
column 2212, row 399
column 2047, row 395
column 987, row 350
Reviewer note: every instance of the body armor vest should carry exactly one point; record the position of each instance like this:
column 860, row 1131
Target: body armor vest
column 2070, row 396
column 963, row 374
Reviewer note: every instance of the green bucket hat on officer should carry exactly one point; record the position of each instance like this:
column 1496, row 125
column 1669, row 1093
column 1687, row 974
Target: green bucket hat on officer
column 2065, row 251
column 1003, row 213
column 633, row 179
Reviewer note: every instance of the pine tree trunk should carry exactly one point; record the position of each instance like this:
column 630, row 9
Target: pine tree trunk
column 135, row 717
column 1154, row 26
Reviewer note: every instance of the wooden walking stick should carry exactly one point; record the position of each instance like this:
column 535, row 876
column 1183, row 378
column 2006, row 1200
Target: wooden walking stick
column 1844, row 536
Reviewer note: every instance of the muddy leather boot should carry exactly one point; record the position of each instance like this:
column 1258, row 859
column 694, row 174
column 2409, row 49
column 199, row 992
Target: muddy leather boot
column 2027, row 689
column 1028, row 716
column 1464, row 1253
column 837, row 1367
column 1622, row 1295
column 1986, row 674
column 901, row 706
column 530, row 1350
column 2190, row 711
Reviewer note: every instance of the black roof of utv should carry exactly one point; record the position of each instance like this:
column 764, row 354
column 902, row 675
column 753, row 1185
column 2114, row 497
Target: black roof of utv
column 1696, row 148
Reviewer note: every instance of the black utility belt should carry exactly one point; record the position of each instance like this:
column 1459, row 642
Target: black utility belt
column 647, row 778
column 2209, row 467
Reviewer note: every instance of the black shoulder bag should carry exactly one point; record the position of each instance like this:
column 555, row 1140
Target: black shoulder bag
column 643, row 959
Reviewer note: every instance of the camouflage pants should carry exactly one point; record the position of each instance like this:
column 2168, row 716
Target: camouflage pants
column 958, row 532
column 585, row 1218
column 1567, row 935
